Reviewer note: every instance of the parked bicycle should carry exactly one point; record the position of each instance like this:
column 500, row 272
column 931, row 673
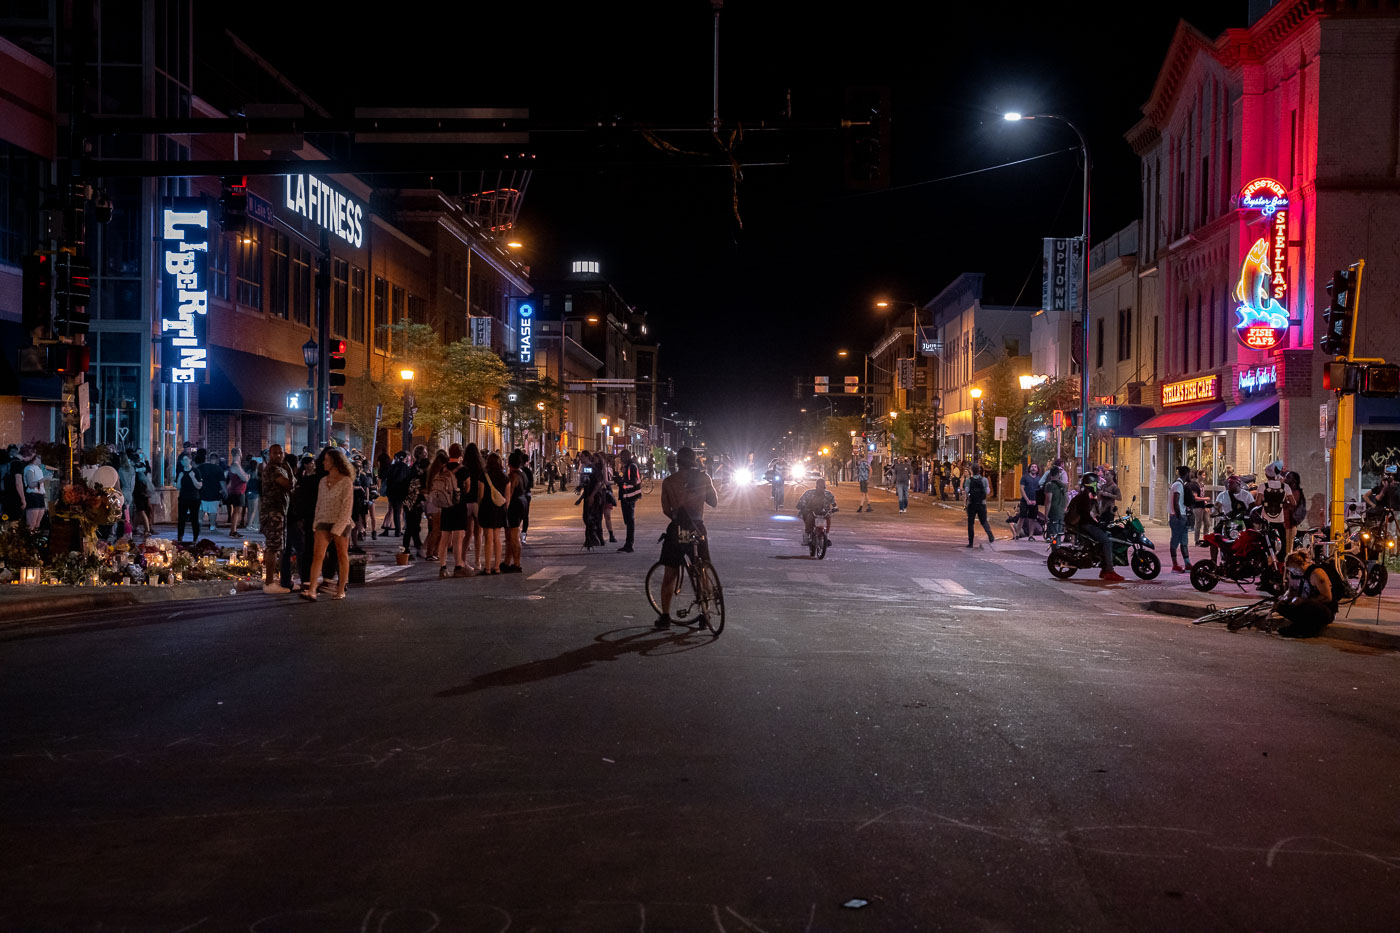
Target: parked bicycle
column 696, row 593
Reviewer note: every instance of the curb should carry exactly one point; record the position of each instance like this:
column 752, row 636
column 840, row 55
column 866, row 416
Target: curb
column 20, row 608
column 1339, row 630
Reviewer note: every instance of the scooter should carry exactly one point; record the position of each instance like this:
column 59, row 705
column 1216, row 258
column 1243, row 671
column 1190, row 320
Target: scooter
column 820, row 538
column 1131, row 547
column 1246, row 558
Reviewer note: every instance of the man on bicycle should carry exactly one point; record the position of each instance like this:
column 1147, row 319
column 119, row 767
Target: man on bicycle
column 815, row 503
column 684, row 495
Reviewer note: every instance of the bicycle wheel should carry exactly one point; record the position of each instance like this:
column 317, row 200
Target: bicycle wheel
column 682, row 596
column 648, row 485
column 711, row 596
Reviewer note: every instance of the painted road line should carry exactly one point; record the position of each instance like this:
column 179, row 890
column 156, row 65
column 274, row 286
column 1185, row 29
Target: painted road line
column 979, row 608
column 554, row 573
column 797, row 576
column 379, row 573
column 946, row 587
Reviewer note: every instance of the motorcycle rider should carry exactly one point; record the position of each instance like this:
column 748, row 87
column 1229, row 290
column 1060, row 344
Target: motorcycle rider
column 813, row 504
column 1079, row 517
column 1232, row 511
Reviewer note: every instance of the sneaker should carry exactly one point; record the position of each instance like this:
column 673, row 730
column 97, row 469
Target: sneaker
column 968, row 544
column 275, row 590
column 1110, row 576
column 625, row 549
column 662, row 622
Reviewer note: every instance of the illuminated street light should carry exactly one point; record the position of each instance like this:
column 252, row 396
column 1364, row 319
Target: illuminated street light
column 1012, row 117
column 882, row 304
column 841, row 353
column 515, row 244
column 406, row 375
column 894, row 415
column 976, row 393
column 1030, row 382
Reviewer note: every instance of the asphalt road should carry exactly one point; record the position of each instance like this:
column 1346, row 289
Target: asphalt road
column 942, row 739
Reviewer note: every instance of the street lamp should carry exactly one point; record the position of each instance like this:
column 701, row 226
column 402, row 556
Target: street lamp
column 1084, row 281
column 408, row 405
column 976, row 394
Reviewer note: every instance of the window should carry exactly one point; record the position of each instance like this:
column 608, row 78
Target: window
column 585, row 267
column 399, row 309
column 278, row 274
column 218, row 267
column 1185, row 334
column 357, row 304
column 250, row 270
column 1098, row 343
column 1198, row 332
column 417, row 309
column 301, row 284
column 1201, row 195
column 381, row 314
column 340, row 298
column 1125, row 334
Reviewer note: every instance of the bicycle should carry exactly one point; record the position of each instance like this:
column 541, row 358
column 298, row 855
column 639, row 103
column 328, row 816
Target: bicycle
column 697, row 590
column 648, row 484
column 1252, row 615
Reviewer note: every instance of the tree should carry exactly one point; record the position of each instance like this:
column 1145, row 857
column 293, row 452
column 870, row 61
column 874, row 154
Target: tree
column 1002, row 397
column 1055, row 395
column 836, row 433
column 447, row 379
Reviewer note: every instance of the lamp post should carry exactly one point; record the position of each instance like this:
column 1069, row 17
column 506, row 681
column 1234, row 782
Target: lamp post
column 311, row 355
column 1083, row 285
column 544, row 430
column 976, row 394
column 408, row 407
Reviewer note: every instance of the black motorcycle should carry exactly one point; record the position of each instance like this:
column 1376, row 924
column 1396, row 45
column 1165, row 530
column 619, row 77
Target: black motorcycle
column 1131, row 548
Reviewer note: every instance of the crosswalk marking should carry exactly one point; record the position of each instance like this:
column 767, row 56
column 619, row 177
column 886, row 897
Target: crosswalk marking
column 946, row 587
column 554, row 573
column 796, row 576
column 379, row 573
column 874, row 548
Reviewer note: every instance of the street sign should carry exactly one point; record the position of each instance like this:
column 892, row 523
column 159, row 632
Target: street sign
column 822, row 385
column 852, row 384
column 1322, row 420
column 999, row 430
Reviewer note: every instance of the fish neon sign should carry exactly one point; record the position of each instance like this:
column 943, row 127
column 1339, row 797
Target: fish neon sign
column 1262, row 291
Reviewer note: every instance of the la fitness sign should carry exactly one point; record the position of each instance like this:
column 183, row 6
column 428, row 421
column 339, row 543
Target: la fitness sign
column 1262, row 291
column 322, row 204
column 1190, row 391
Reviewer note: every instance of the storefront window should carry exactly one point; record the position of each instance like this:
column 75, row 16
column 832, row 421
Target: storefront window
column 1206, row 463
column 1378, row 447
column 121, row 390
column 1265, row 451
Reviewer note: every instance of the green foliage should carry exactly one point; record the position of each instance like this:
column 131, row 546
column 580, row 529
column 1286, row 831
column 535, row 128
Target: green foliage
column 836, row 433
column 1002, row 398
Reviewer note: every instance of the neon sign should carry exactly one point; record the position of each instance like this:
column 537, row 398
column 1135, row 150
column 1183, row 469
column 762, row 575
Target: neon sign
column 527, row 333
column 318, row 202
column 1258, row 380
column 1200, row 389
column 184, row 305
column 1262, row 291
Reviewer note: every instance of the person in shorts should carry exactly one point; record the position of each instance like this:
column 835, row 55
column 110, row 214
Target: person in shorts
column 863, row 477
column 684, row 495
column 276, row 479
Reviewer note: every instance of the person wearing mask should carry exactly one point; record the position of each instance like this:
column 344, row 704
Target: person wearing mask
column 1030, row 491
column 1056, row 488
column 188, row 486
column 440, row 495
column 413, row 502
column 975, row 502
column 276, row 479
column 300, row 521
column 629, row 490
column 211, row 489
column 1079, row 516
column 335, row 500
column 1179, row 518
column 590, row 489
column 492, row 513
column 1385, row 495
column 237, row 491
column 1310, row 601
column 901, row 483
column 1109, row 495
column 1273, row 507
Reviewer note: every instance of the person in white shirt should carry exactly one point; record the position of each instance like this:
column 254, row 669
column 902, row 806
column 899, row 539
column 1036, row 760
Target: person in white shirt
column 1179, row 519
column 335, row 501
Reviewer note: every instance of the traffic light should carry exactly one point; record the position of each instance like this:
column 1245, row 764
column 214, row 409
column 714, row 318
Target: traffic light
column 37, row 297
column 233, row 203
column 1344, row 378
column 1381, row 380
column 1337, row 319
column 72, row 287
column 69, row 359
column 337, row 373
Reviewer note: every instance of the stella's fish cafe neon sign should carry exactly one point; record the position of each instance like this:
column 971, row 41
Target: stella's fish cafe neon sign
column 1262, row 291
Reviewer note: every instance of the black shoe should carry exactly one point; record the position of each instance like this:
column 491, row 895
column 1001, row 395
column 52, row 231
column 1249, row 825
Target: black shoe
column 625, row 549
column 662, row 622
column 969, row 544
column 611, row 539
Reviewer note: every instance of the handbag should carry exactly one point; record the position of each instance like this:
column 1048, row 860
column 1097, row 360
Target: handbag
column 497, row 499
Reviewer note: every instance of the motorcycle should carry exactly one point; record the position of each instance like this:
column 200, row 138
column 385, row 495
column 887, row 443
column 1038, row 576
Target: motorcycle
column 1131, row 548
column 820, row 538
column 1246, row 558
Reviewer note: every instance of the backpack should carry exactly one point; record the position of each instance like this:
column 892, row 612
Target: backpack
column 1340, row 588
column 1273, row 496
column 1300, row 511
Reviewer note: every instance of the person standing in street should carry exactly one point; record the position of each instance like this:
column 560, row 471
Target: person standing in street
column 863, row 477
column 211, row 489
column 1179, row 518
column 187, row 484
column 335, row 501
column 276, row 479
column 901, row 483
column 1030, row 490
column 1056, row 486
column 237, row 492
column 975, row 501
column 629, row 490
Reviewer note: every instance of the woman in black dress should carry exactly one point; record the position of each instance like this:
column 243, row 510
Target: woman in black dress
column 492, row 516
column 515, row 511
column 453, row 521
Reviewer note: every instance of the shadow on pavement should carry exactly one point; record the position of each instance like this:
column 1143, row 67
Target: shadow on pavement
column 603, row 648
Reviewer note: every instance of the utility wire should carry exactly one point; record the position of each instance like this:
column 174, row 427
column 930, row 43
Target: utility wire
column 976, row 171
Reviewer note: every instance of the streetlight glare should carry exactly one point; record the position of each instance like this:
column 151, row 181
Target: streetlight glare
column 882, row 304
column 894, row 415
column 406, row 375
column 840, row 352
column 515, row 244
column 976, row 393
column 1011, row 116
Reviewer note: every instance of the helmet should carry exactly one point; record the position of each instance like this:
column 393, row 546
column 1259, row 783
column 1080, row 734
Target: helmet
column 1090, row 481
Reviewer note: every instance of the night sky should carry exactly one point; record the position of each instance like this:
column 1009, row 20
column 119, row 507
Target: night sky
column 742, row 311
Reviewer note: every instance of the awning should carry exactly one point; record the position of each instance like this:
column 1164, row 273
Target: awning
column 1180, row 420
column 247, row 382
column 1252, row 414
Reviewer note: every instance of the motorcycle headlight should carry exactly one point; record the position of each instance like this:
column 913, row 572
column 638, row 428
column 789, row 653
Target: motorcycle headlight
column 795, row 473
column 1147, row 543
column 743, row 476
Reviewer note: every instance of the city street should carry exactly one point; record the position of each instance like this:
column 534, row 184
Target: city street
column 908, row 735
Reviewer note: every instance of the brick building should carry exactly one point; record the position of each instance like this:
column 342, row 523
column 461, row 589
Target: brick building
column 1269, row 160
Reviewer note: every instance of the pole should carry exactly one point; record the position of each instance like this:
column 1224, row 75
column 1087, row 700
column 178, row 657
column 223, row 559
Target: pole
column 1084, row 311
column 407, row 423
column 323, row 337
column 1001, row 493
column 717, row 5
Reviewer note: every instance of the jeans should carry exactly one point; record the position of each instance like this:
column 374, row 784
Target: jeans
column 1097, row 533
column 395, row 511
column 296, row 544
column 902, row 491
column 629, row 509
column 186, row 510
column 412, row 526
column 978, row 511
column 1180, row 526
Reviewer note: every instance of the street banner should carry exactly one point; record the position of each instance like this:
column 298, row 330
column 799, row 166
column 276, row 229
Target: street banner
column 823, row 385
column 1063, row 267
column 906, row 373
column 852, row 384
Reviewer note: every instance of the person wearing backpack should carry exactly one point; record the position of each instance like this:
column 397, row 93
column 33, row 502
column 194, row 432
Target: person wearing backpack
column 1310, row 602
column 629, row 490
column 975, row 496
column 1273, row 498
column 1295, row 510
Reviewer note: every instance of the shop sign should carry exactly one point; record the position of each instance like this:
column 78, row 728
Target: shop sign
column 526, row 314
column 1259, row 380
column 1063, row 265
column 1191, row 391
column 1262, row 291
column 184, row 305
column 323, row 205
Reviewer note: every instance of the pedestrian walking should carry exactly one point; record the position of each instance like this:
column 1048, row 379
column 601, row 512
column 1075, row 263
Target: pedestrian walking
column 335, row 500
column 629, row 490
column 901, row 483
column 276, row 479
column 863, row 477
column 975, row 503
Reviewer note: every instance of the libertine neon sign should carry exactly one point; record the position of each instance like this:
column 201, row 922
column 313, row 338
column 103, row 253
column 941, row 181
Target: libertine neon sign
column 1262, row 291
column 184, row 311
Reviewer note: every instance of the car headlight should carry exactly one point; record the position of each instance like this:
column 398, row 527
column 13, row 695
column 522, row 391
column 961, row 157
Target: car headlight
column 743, row 476
column 795, row 473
